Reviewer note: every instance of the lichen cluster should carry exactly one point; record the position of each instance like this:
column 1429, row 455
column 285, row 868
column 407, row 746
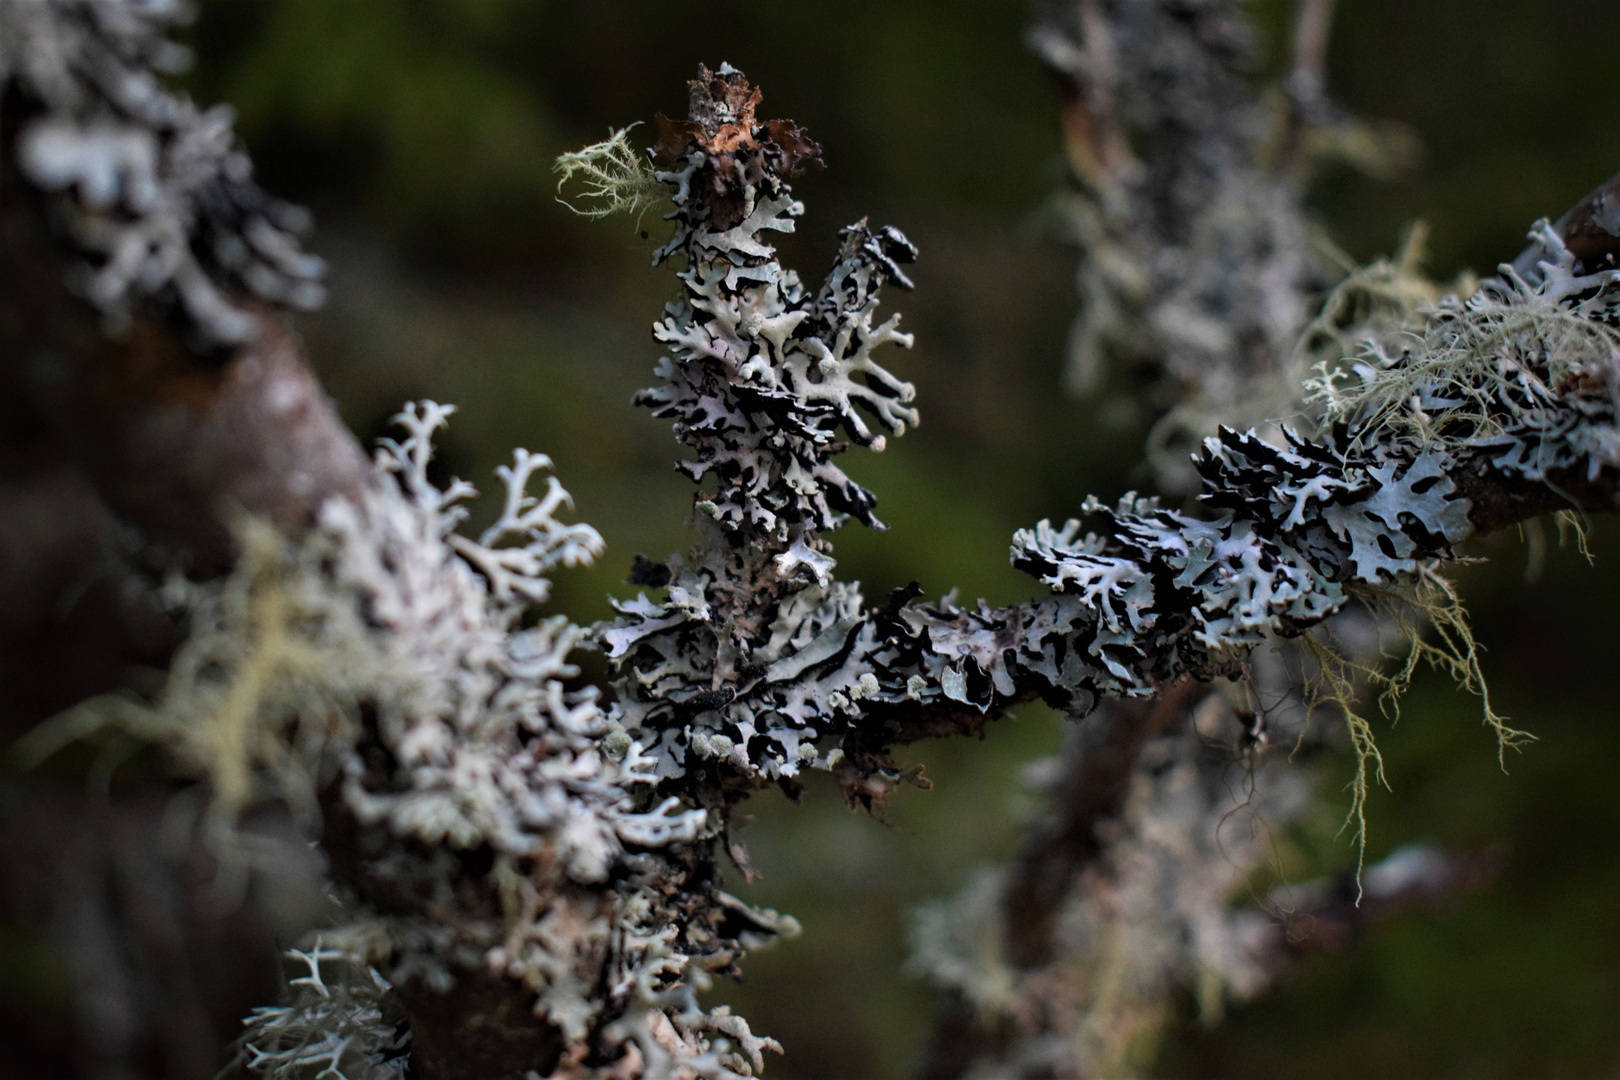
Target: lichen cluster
column 494, row 829
column 1523, row 373
column 758, row 661
column 1198, row 263
column 343, row 1022
column 387, row 672
column 483, row 750
column 154, row 192
column 767, row 382
column 1297, row 528
column 1437, row 417
column 779, row 676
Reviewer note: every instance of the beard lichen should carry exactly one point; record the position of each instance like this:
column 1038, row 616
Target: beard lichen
column 617, row 179
column 1520, row 379
column 251, row 696
column 1430, row 621
column 1503, row 366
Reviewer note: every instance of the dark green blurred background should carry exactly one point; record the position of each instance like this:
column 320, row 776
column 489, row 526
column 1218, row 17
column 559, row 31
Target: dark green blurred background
column 422, row 134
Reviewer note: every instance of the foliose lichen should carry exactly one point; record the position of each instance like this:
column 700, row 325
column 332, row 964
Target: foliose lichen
column 760, row 662
column 385, row 673
column 155, row 193
column 767, row 382
column 487, row 821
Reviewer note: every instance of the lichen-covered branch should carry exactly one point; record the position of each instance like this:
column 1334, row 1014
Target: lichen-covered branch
column 1153, row 902
column 529, row 876
column 1155, row 594
column 757, row 664
column 153, row 191
column 767, row 382
column 190, row 400
column 1063, row 963
column 148, row 378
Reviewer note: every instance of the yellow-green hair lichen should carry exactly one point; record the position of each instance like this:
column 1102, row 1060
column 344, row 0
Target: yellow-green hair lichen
column 615, row 178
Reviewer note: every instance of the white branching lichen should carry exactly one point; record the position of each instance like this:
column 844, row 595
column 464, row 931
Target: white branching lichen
column 385, row 671
column 341, row 1023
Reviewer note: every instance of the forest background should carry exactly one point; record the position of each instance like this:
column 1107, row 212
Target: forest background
column 422, row 134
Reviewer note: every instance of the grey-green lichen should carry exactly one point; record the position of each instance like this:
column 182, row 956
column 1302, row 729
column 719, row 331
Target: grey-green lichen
column 385, row 675
column 765, row 663
column 739, row 664
column 154, row 192
column 756, row 663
